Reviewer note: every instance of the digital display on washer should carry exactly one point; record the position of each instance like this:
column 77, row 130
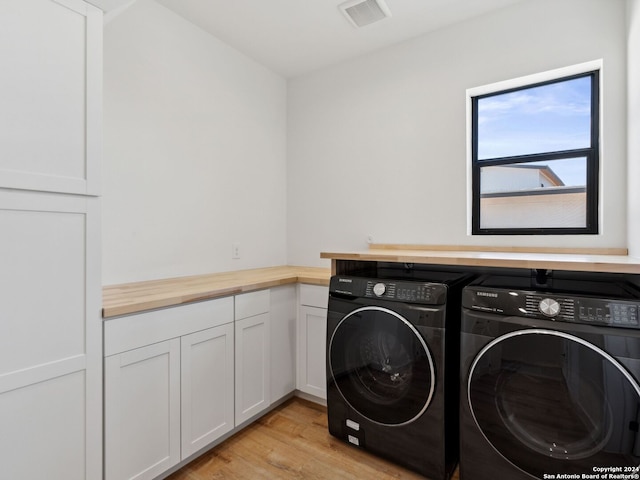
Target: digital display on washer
column 413, row 294
column 610, row 313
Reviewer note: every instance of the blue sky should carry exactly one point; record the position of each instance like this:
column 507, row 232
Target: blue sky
column 535, row 120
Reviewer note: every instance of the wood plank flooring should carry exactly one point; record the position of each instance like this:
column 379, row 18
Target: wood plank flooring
column 291, row 442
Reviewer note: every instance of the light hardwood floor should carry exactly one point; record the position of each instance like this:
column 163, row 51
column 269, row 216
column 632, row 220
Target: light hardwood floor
column 291, row 442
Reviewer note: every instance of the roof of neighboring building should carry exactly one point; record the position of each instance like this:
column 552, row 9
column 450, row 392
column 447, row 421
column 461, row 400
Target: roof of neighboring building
column 544, row 170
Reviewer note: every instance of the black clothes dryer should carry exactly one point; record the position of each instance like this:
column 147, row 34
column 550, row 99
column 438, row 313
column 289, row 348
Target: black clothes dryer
column 549, row 384
column 392, row 368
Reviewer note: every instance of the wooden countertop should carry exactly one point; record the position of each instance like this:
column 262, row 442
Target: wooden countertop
column 139, row 296
column 584, row 260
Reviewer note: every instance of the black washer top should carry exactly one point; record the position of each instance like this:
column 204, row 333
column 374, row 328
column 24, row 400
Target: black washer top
column 564, row 286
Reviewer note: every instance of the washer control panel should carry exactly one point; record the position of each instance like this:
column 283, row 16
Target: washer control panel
column 551, row 306
column 395, row 290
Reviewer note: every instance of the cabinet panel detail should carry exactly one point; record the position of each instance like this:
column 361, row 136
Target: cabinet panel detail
column 282, row 315
column 51, row 115
column 47, row 424
column 207, row 360
column 312, row 351
column 45, row 260
column 142, row 411
column 253, row 366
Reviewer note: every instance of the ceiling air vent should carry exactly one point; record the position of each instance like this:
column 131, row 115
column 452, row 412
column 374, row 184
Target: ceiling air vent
column 365, row 12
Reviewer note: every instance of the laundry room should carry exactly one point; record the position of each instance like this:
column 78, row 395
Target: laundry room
column 329, row 239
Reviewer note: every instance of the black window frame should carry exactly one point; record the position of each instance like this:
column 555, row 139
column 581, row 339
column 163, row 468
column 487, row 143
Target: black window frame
column 591, row 154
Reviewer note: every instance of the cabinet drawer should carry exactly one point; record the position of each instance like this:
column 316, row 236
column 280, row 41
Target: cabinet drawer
column 252, row 304
column 133, row 331
column 314, row 295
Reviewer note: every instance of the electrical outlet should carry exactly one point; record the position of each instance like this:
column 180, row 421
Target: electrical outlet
column 235, row 250
column 370, row 239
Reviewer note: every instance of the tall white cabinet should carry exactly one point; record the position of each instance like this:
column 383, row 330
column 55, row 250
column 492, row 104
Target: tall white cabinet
column 50, row 321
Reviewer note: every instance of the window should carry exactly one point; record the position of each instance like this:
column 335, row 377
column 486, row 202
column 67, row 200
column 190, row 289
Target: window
column 534, row 157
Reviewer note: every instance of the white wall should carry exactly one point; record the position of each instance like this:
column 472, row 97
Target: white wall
column 633, row 56
column 194, row 151
column 377, row 145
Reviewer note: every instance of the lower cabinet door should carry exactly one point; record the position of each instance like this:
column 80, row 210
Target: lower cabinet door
column 207, row 359
column 282, row 336
column 142, row 411
column 312, row 351
column 253, row 366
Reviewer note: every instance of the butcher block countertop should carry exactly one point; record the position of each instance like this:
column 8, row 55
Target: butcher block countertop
column 575, row 259
column 136, row 297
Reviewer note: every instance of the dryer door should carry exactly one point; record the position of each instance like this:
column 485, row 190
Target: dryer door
column 382, row 366
column 552, row 403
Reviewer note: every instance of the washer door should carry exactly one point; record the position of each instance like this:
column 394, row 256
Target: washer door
column 381, row 366
column 550, row 402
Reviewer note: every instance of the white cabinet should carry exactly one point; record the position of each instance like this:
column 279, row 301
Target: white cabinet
column 180, row 378
column 253, row 354
column 50, row 92
column 312, row 343
column 50, row 337
column 283, row 341
column 207, row 375
column 143, row 411
column 50, row 311
column 169, row 383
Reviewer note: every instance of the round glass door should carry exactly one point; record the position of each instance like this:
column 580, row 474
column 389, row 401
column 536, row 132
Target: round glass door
column 381, row 366
column 550, row 402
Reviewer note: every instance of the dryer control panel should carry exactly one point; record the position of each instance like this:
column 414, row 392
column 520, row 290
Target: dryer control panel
column 396, row 290
column 553, row 306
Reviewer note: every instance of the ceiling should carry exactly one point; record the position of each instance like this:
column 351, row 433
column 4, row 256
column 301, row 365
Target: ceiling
column 294, row 37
